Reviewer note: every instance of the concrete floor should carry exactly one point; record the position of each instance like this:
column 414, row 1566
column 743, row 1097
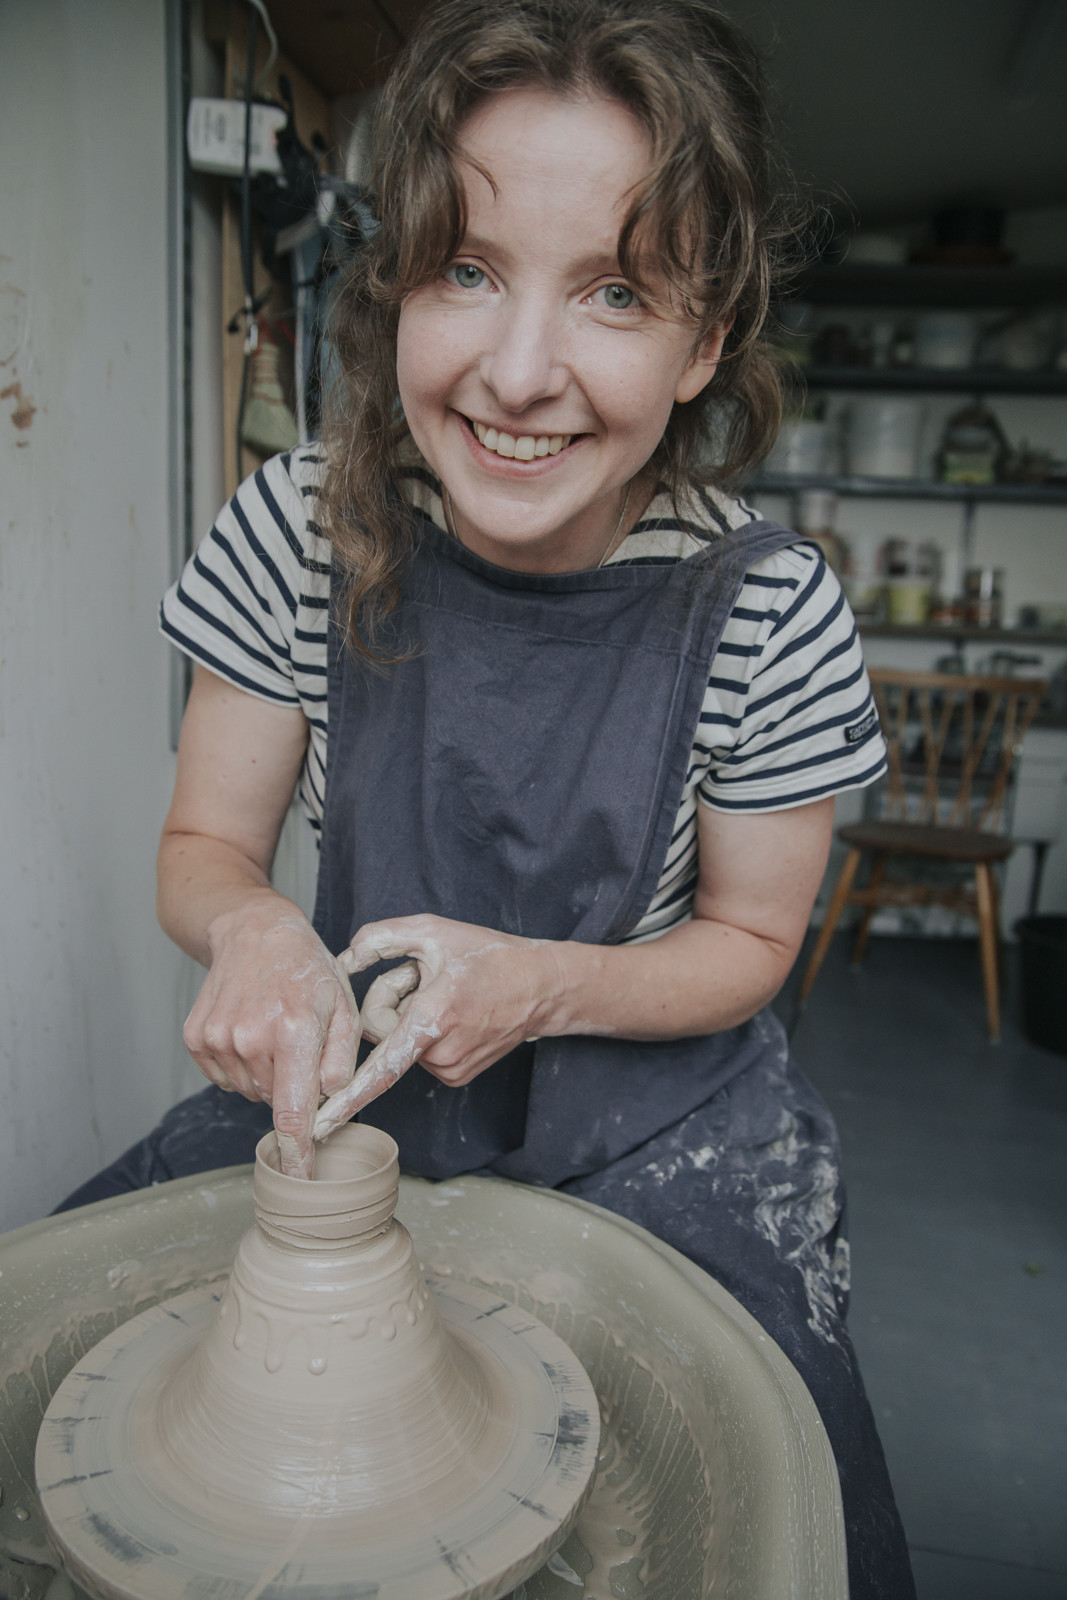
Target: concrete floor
column 956, row 1161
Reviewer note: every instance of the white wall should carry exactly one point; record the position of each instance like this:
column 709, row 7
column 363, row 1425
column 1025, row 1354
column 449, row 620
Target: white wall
column 91, row 992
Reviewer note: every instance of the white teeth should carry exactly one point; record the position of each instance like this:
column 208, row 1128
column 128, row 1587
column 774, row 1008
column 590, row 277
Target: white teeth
column 524, row 448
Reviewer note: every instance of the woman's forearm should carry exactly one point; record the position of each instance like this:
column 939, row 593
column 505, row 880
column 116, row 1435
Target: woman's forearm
column 203, row 883
column 759, row 875
column 699, row 978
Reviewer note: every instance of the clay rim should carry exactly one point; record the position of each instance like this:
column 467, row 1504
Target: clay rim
column 329, row 1211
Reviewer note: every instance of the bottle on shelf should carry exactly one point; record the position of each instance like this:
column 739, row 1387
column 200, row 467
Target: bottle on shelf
column 909, row 581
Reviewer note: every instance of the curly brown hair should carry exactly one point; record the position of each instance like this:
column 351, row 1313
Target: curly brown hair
column 709, row 213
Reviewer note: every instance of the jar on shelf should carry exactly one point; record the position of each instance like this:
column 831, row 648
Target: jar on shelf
column 973, row 447
column 909, row 582
column 883, row 437
column 864, row 575
column 947, row 605
column 816, row 516
column 802, row 448
column 983, row 595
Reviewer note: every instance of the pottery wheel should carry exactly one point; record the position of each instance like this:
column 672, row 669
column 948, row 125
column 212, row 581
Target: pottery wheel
column 126, row 1536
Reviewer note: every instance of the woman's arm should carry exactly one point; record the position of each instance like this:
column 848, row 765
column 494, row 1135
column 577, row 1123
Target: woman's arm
column 275, row 1018
column 759, row 876
column 480, row 993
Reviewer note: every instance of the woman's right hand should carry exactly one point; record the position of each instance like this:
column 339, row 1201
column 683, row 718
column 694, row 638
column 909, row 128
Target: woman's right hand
column 275, row 1019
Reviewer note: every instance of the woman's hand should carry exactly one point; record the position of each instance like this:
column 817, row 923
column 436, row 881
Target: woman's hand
column 464, row 998
column 275, row 1019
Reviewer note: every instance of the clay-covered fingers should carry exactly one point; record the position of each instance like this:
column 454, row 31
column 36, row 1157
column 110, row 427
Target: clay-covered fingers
column 383, row 1068
column 341, row 1045
column 416, row 937
column 277, row 1021
column 297, row 1065
column 211, row 1047
column 387, row 999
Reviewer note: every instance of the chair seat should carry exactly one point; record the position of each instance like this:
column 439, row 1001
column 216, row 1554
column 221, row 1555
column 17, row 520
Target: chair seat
column 919, row 839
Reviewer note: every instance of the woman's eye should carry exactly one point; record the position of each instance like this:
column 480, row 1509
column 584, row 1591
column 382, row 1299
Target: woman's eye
column 466, row 276
column 617, row 297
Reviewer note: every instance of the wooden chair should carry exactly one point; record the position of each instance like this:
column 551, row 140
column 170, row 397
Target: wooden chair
column 952, row 743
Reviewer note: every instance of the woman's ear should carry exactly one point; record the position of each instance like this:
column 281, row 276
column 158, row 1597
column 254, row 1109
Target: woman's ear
column 702, row 364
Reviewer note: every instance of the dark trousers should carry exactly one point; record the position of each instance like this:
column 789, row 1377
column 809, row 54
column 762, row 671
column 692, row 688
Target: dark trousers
column 748, row 1187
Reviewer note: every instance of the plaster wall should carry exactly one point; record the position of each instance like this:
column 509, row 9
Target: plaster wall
column 91, row 992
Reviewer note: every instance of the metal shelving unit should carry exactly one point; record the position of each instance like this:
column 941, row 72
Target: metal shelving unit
column 929, row 380
column 934, row 286
column 1018, row 494
column 952, row 632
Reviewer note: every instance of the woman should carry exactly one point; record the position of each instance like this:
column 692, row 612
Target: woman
column 570, row 717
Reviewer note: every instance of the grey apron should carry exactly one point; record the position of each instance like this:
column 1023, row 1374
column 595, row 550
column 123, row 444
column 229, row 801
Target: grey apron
column 522, row 770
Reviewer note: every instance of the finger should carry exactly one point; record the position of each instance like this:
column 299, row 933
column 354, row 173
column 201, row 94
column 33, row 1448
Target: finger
column 339, row 1053
column 384, row 1067
column 212, row 1071
column 206, row 1059
column 296, row 1096
column 381, row 1011
column 384, row 941
column 296, row 1152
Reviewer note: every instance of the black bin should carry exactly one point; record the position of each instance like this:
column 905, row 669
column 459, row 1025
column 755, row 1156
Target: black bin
column 1043, row 949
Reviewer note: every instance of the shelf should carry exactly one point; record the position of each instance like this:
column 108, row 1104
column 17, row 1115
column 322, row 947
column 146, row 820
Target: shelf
column 934, row 286
column 951, row 632
column 927, row 380
column 1007, row 494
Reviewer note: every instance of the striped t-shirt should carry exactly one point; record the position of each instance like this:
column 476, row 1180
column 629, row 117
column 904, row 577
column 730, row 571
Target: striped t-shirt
column 787, row 716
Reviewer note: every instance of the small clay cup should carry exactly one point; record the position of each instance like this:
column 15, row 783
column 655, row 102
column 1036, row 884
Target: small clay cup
column 350, row 1200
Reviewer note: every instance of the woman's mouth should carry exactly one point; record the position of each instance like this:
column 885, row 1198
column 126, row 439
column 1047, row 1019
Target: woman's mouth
column 520, row 447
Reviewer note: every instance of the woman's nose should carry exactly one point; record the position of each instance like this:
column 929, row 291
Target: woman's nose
column 524, row 362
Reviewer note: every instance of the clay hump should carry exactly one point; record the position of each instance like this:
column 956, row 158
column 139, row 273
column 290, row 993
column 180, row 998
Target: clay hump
column 329, row 1416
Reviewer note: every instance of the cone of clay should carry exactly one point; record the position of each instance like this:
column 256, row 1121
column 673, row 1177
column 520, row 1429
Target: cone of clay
column 325, row 1425
column 327, row 1384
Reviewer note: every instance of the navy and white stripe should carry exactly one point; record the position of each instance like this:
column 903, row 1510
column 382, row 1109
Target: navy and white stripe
column 786, row 683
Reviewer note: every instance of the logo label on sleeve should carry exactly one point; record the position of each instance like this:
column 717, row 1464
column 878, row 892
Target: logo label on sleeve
column 859, row 730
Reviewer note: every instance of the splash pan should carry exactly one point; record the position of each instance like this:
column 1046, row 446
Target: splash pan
column 715, row 1474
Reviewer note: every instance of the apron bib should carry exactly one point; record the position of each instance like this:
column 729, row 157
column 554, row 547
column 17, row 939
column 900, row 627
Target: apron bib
column 522, row 770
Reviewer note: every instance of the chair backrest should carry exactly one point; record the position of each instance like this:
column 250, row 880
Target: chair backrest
column 952, row 743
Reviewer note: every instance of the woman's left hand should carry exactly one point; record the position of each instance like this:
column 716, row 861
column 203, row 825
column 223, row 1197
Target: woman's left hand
column 464, row 997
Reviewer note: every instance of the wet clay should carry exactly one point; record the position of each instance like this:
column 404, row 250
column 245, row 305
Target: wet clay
column 326, row 1417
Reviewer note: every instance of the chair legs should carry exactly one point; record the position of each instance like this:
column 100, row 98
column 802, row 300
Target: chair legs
column 859, row 948
column 833, row 912
column 988, row 928
column 986, row 891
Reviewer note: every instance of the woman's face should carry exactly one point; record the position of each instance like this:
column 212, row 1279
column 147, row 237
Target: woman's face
column 534, row 381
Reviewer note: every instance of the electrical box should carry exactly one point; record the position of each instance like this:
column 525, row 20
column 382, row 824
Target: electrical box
column 215, row 132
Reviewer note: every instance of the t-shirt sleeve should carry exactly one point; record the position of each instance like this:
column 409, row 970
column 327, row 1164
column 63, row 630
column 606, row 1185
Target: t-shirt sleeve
column 790, row 716
column 234, row 607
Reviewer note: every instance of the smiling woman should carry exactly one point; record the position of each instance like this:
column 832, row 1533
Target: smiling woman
column 678, row 221
column 535, row 383
column 568, row 715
